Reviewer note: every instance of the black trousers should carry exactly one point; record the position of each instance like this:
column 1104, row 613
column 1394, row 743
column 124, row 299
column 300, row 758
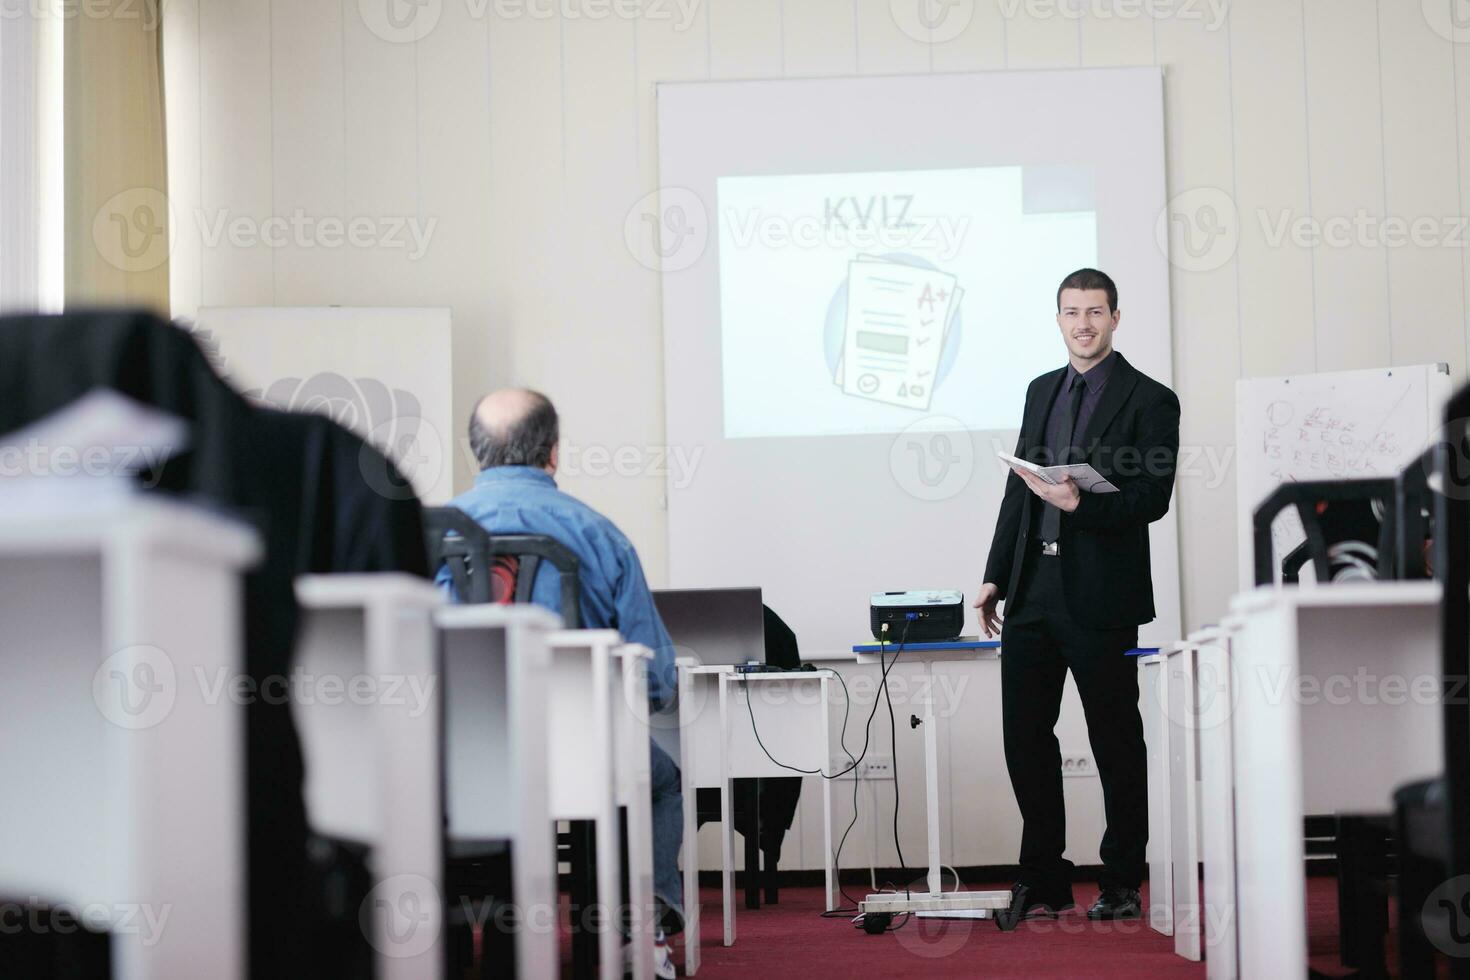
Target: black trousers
column 1039, row 644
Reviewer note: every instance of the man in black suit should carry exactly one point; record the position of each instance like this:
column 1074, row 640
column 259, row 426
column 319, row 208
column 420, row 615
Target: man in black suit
column 1073, row 569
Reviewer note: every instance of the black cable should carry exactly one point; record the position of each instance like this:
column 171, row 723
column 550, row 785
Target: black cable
column 837, row 857
column 893, row 747
column 867, row 737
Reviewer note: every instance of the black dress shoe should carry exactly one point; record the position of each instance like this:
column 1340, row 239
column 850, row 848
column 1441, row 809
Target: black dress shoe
column 1031, row 902
column 1117, row 903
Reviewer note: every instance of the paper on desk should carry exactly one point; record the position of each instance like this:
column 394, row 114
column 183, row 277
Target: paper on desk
column 1082, row 474
column 102, row 433
column 88, row 449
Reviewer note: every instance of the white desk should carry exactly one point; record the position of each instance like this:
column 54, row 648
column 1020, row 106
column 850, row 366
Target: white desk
column 936, row 900
column 691, row 737
column 370, row 742
column 792, row 712
column 1153, row 694
column 496, row 668
column 124, row 762
column 582, row 770
column 1180, row 701
column 1186, row 696
column 635, row 789
column 1332, row 715
column 716, row 745
column 674, row 733
column 1216, row 702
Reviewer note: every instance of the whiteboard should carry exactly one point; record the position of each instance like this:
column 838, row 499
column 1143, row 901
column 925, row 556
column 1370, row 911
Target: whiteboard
column 1332, row 426
column 382, row 372
column 820, row 513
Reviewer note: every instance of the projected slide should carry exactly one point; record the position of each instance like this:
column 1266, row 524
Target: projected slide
column 869, row 302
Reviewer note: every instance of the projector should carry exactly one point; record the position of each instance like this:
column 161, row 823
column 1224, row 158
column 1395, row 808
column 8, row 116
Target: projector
column 926, row 614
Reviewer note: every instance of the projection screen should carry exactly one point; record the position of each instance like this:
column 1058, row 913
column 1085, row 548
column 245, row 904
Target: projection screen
column 859, row 279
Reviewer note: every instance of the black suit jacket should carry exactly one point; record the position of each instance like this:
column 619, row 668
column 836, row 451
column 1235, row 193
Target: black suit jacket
column 1132, row 439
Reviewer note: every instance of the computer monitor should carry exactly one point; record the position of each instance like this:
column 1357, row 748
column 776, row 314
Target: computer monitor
column 716, row 626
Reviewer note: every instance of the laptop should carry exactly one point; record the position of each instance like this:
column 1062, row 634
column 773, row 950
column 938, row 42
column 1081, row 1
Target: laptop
column 715, row 626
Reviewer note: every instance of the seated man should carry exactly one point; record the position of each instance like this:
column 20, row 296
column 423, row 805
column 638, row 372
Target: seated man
column 514, row 436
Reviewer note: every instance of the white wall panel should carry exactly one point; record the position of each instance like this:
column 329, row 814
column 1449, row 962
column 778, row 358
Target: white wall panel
column 530, row 139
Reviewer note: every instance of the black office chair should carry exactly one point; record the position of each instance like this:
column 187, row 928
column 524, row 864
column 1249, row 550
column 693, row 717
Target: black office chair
column 502, row 569
column 65, row 948
column 1413, row 517
column 454, row 538
column 1432, row 818
column 1348, row 526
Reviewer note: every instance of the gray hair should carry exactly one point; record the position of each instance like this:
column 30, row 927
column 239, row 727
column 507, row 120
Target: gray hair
column 524, row 441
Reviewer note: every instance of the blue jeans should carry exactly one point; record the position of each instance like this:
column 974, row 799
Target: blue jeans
column 668, row 831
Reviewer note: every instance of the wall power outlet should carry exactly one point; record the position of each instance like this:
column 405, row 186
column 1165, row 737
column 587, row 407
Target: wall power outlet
column 875, row 767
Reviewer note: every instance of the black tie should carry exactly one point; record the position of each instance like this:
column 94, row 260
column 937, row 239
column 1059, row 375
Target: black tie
column 1051, row 516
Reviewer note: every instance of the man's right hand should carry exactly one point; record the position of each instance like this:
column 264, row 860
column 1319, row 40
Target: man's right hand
column 986, row 601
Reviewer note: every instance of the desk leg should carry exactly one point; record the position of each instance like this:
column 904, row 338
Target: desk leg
column 831, row 873
column 751, row 801
column 640, row 883
column 691, row 830
column 1153, row 691
column 931, row 781
column 1271, row 903
column 827, row 862
column 1184, row 716
column 1217, row 805
column 727, row 817
column 609, row 892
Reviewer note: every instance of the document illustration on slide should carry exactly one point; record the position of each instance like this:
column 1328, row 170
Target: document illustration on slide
column 898, row 320
column 864, row 302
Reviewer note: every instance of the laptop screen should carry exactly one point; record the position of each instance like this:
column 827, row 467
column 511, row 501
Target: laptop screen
column 714, row 626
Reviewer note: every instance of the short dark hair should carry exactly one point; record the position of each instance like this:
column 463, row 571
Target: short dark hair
column 526, row 441
column 1090, row 279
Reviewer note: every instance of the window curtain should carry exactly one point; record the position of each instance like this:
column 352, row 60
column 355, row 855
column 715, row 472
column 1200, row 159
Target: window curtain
column 118, row 222
column 30, row 99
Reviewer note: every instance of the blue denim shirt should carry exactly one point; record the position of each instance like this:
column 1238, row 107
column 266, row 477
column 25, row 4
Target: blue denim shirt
column 615, row 595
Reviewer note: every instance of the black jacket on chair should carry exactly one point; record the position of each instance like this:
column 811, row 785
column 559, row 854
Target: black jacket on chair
column 1132, row 439
column 322, row 501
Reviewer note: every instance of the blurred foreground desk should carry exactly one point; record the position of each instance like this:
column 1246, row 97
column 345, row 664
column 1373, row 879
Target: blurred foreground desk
column 495, row 669
column 1337, row 703
column 879, row 908
column 1152, row 698
column 372, row 749
column 635, row 788
column 123, row 760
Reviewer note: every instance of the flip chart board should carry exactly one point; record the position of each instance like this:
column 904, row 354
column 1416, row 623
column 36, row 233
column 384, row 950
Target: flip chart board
column 1332, row 426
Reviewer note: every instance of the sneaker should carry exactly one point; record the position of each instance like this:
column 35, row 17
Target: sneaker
column 663, row 958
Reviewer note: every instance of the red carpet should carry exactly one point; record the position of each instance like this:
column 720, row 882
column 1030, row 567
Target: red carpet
column 792, row 940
